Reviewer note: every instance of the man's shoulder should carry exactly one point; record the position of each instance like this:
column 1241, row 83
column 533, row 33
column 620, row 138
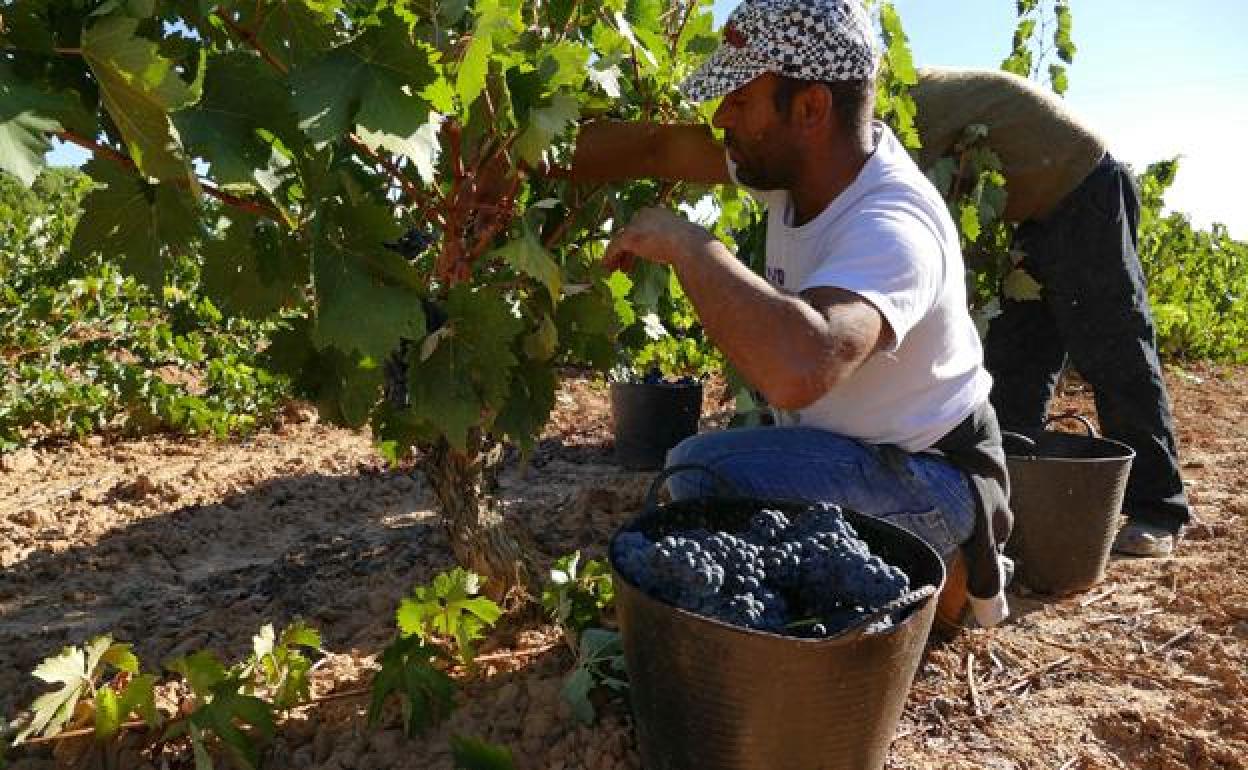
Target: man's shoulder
column 900, row 192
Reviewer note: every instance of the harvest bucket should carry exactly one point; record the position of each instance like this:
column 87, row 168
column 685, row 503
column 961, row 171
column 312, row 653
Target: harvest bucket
column 1066, row 492
column 651, row 418
column 711, row 696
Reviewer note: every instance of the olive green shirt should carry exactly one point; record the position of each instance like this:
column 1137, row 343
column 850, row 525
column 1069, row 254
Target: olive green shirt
column 1046, row 152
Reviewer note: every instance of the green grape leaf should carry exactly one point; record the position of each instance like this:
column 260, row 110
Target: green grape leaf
column 407, row 670
column 282, row 665
column 108, row 715
column 576, row 594
column 222, row 715
column 442, row 400
column 942, row 174
column 587, row 326
column 295, row 31
column 76, row 669
column 900, row 60
column 497, row 25
column 139, row 88
column 476, row 754
column 466, row 367
column 563, row 64
column 1023, row 33
column 450, row 607
column 352, row 270
column 650, row 285
column 398, row 131
column 201, row 670
column 300, row 634
column 27, row 116
column 1020, row 286
column 1062, row 37
column 530, row 402
column 599, row 660
column 348, row 388
column 397, row 432
column 621, row 286
column 242, row 98
column 116, row 654
column 132, row 221
column 1059, row 79
column 255, row 269
column 112, row 708
column 542, row 343
column 968, row 221
column 546, row 123
column 54, row 709
column 527, row 255
column 373, row 82
column 575, row 692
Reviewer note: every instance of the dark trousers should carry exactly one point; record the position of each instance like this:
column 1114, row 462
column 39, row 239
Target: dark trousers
column 1094, row 309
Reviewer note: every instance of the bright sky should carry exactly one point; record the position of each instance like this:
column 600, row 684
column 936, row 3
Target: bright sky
column 1157, row 78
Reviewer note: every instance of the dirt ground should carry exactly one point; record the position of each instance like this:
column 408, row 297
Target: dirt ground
column 180, row 545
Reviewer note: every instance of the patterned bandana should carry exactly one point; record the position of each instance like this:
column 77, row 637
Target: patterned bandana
column 826, row 40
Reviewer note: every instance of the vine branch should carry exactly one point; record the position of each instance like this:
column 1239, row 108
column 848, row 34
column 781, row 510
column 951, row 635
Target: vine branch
column 680, row 30
column 250, row 38
column 561, row 230
column 259, row 209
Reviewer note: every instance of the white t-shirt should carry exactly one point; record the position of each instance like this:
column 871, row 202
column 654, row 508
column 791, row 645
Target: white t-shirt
column 888, row 237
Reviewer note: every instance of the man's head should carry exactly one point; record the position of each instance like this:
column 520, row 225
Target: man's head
column 791, row 72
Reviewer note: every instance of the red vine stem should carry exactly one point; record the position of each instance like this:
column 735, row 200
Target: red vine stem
column 251, row 40
column 81, row 733
column 559, row 232
column 226, row 198
column 414, row 193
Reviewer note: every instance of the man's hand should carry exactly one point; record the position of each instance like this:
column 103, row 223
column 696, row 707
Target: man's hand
column 657, row 235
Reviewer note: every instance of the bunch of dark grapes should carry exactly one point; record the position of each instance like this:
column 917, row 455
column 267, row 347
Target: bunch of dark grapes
column 806, row 575
column 413, row 243
column 394, row 367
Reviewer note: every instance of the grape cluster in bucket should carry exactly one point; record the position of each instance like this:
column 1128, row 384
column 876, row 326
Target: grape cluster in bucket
column 807, row 575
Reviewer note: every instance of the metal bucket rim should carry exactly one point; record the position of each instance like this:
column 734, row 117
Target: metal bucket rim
column 839, row 640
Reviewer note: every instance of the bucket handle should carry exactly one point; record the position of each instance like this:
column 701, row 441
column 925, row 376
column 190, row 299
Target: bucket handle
column 903, row 602
column 1072, row 416
column 1027, row 442
column 724, row 486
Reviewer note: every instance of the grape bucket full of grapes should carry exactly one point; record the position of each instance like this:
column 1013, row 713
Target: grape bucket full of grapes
column 768, row 634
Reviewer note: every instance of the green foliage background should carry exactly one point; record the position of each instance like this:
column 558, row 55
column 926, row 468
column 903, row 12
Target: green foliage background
column 133, row 303
column 1197, row 279
column 88, row 349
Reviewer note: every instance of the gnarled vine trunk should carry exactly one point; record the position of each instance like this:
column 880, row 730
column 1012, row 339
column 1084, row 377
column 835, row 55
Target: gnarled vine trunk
column 482, row 540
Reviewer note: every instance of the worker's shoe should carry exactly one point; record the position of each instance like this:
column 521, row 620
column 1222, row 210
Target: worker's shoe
column 1138, row 539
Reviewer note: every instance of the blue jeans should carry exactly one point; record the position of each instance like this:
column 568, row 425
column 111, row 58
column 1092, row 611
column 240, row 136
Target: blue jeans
column 920, row 493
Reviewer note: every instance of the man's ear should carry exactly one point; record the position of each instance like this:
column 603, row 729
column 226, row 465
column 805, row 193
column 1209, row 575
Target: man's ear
column 813, row 108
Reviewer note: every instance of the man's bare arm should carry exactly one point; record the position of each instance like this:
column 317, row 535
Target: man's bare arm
column 792, row 348
column 609, row 151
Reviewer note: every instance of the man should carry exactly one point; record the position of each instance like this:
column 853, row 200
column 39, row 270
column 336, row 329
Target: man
column 860, row 333
column 1078, row 211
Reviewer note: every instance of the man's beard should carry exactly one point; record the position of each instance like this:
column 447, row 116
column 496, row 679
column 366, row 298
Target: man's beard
column 755, row 174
